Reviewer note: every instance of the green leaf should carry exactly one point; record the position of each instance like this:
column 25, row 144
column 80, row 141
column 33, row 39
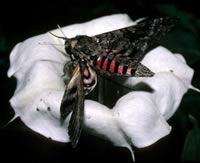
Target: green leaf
column 191, row 150
column 188, row 21
column 185, row 37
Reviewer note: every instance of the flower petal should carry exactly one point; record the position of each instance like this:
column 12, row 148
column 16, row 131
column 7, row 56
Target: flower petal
column 171, row 81
column 101, row 121
column 138, row 118
column 38, row 66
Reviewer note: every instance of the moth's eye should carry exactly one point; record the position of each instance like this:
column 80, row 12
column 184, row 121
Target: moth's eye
column 66, row 44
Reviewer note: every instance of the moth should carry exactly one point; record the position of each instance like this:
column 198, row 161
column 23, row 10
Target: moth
column 118, row 52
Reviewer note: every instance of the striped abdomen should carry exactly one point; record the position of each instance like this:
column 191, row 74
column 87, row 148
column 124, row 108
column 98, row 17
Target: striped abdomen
column 89, row 79
column 116, row 63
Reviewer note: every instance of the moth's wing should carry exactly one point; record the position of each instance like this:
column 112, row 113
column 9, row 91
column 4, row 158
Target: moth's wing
column 73, row 101
column 136, row 40
column 70, row 94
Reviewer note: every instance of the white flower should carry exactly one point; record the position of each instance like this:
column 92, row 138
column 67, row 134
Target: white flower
column 138, row 118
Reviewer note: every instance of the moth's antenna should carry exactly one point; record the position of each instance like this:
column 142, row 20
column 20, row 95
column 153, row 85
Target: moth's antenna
column 64, row 38
column 48, row 43
column 61, row 31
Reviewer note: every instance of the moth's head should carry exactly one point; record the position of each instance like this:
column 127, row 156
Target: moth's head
column 68, row 45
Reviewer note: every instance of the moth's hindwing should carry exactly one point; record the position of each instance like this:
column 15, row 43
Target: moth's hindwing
column 73, row 101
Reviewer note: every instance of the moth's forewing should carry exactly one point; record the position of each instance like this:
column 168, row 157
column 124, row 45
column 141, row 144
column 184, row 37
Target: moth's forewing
column 68, row 71
column 136, row 40
column 126, row 47
column 76, row 121
column 73, row 101
column 68, row 101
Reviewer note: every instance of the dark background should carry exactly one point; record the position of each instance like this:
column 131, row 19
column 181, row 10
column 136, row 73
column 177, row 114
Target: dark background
column 21, row 21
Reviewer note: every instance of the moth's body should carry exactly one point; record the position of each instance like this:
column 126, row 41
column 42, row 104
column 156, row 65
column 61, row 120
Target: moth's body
column 103, row 60
column 117, row 52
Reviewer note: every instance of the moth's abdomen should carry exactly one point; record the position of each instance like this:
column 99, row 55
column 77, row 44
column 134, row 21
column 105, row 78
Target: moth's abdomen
column 89, row 80
column 113, row 66
column 116, row 63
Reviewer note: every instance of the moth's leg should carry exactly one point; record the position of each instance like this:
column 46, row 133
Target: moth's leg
column 68, row 70
column 72, row 57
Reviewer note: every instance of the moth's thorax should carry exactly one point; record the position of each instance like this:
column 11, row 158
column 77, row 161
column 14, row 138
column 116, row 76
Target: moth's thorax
column 85, row 44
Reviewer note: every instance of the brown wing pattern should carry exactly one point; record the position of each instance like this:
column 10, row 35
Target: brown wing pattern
column 136, row 40
column 73, row 101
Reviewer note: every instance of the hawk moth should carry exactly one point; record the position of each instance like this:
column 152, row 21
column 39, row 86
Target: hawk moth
column 118, row 52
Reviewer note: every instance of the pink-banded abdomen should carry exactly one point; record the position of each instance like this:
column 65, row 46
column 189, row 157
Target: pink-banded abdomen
column 89, row 79
column 116, row 63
